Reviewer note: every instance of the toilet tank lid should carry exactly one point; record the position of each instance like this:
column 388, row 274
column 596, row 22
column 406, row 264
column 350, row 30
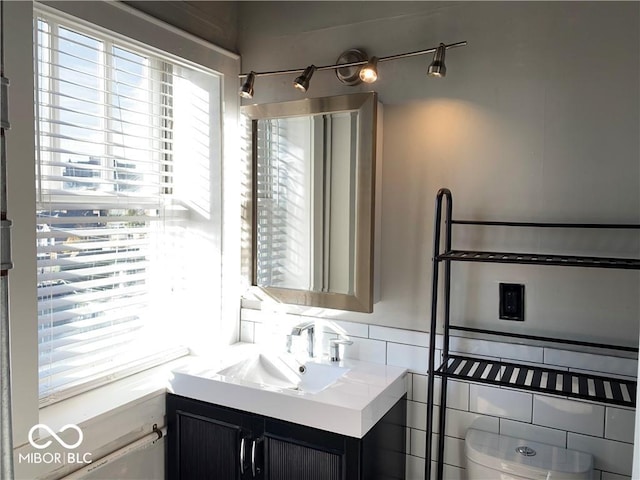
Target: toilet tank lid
column 514, row 455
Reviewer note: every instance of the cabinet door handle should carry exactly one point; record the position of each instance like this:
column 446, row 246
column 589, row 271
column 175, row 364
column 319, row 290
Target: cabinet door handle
column 242, row 456
column 253, row 458
column 255, row 468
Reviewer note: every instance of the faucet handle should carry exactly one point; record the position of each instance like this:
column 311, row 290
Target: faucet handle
column 334, row 347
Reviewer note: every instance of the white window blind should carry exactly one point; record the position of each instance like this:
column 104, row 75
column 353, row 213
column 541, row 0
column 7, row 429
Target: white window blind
column 110, row 232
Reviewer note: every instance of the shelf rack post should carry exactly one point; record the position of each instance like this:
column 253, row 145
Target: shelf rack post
column 554, row 381
column 442, row 194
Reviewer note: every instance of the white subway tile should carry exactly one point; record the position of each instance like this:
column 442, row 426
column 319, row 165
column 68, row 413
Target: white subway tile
column 420, row 387
column 251, row 314
column 417, row 471
column 397, row 335
column 374, row 351
column 619, row 424
column 353, row 328
column 408, row 356
column 250, row 303
column 496, row 349
column 418, row 443
column 419, row 390
column 247, row 332
column 410, row 386
column 570, row 415
column 609, row 455
column 500, row 402
column 590, row 361
column 260, row 335
column 535, row 433
column 453, row 451
column 417, row 415
column 458, row 422
column 454, row 473
column 457, row 394
column 415, row 468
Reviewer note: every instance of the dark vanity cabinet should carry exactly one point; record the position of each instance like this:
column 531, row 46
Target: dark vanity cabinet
column 207, row 441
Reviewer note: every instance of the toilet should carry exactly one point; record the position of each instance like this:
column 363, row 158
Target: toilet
column 491, row 456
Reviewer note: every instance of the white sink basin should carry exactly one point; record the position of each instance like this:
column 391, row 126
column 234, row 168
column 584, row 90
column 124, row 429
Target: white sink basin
column 283, row 372
column 346, row 398
column 318, row 376
column 263, row 370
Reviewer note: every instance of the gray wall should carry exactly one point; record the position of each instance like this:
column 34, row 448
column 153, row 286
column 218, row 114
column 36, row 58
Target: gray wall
column 537, row 119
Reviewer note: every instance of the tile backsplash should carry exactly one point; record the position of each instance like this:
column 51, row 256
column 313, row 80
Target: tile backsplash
column 602, row 430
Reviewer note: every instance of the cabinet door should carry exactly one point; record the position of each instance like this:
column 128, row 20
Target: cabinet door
column 207, row 442
column 294, row 452
column 289, row 460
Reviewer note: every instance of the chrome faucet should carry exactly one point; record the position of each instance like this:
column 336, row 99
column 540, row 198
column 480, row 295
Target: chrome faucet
column 334, row 343
column 334, row 347
column 309, row 327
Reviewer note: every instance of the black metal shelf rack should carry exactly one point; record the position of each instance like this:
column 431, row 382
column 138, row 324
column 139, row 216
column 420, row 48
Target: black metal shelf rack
column 564, row 383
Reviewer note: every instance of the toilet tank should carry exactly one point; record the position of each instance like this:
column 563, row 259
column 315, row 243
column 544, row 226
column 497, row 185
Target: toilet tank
column 492, row 456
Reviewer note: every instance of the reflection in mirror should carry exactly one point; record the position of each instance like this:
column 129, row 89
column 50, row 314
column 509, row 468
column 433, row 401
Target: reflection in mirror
column 305, row 202
column 313, row 187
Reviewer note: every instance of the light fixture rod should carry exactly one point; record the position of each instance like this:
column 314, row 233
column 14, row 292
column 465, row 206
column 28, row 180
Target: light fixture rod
column 421, row 52
column 355, row 64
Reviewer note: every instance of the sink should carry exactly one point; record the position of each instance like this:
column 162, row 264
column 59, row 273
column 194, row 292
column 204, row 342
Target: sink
column 263, row 370
column 318, row 376
column 284, row 372
column 347, row 398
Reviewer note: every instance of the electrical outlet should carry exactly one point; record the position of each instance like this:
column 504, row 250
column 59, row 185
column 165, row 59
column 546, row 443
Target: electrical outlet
column 512, row 301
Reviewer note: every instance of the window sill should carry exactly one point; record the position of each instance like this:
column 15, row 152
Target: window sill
column 108, row 399
column 110, row 417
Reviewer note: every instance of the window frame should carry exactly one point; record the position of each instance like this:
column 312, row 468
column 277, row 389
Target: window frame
column 53, row 191
column 118, row 19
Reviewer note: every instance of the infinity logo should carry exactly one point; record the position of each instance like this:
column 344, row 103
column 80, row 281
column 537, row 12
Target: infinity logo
column 54, row 435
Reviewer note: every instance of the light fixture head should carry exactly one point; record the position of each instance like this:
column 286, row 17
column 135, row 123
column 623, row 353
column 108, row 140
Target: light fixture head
column 302, row 82
column 369, row 72
column 437, row 67
column 246, row 90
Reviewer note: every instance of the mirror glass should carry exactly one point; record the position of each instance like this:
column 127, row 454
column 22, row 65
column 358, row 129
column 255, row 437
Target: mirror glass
column 313, row 194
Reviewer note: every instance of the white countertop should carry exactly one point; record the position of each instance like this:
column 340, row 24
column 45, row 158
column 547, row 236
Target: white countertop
column 350, row 406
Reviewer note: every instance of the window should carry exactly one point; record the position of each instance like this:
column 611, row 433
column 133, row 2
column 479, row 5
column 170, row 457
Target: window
column 124, row 142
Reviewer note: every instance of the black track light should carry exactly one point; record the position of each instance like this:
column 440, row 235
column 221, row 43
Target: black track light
column 302, row 82
column 246, row 90
column 437, row 67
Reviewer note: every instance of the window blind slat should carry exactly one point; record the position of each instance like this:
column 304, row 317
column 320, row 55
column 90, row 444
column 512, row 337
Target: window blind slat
column 90, row 47
column 59, row 109
column 70, row 346
column 108, row 132
column 73, row 261
column 97, row 296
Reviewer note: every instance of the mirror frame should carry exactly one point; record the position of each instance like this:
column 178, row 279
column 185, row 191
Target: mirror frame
column 367, row 106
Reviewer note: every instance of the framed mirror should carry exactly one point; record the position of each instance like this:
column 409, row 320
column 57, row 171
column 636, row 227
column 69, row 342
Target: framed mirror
column 313, row 200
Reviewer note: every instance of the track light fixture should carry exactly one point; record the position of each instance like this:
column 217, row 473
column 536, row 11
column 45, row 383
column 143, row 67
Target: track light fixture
column 369, row 73
column 302, row 82
column 366, row 71
column 437, row 67
column 246, row 90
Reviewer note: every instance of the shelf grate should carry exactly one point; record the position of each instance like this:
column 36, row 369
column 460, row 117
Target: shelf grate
column 608, row 390
column 540, row 259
